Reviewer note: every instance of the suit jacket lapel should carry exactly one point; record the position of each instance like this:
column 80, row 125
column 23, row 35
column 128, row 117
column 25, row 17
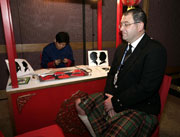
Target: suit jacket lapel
column 134, row 56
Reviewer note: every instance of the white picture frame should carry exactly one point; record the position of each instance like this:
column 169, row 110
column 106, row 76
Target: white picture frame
column 98, row 58
column 22, row 67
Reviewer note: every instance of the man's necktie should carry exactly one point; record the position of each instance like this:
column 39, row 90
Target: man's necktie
column 128, row 53
column 126, row 56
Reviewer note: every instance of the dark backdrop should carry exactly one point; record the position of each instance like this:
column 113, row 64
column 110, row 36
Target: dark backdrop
column 37, row 21
column 164, row 25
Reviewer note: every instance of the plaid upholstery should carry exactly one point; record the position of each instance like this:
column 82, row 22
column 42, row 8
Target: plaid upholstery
column 67, row 117
column 128, row 123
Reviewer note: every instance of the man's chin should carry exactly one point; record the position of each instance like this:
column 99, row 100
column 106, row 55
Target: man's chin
column 124, row 38
column 60, row 48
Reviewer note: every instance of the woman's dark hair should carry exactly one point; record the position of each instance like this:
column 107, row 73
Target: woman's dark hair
column 62, row 37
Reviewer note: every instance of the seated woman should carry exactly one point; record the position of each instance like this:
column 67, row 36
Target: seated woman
column 58, row 54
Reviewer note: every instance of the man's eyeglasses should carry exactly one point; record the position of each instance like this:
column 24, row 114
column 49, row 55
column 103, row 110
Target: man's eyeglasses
column 127, row 24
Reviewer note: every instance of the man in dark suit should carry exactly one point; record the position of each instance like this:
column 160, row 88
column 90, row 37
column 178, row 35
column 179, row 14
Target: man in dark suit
column 130, row 103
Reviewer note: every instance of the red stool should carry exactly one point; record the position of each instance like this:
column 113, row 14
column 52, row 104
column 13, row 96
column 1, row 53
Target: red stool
column 50, row 131
column 1, row 134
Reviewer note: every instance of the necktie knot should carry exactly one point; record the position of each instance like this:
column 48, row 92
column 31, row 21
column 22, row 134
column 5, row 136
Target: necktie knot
column 129, row 50
column 128, row 53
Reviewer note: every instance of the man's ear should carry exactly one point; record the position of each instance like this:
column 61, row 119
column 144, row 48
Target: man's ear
column 140, row 26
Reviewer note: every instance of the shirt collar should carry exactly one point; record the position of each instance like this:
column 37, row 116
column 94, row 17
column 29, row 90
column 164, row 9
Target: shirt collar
column 135, row 43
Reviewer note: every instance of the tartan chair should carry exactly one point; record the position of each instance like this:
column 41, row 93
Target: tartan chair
column 163, row 92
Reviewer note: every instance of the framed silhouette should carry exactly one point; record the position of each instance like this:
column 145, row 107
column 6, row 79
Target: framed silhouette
column 22, row 67
column 98, row 58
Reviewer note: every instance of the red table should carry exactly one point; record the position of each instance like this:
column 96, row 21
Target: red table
column 35, row 108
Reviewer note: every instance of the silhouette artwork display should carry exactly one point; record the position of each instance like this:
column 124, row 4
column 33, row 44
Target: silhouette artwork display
column 22, row 67
column 98, row 58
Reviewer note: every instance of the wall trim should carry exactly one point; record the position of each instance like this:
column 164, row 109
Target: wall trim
column 172, row 70
column 3, row 94
column 39, row 46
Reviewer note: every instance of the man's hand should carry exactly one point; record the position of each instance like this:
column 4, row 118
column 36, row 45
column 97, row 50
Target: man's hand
column 65, row 60
column 107, row 103
column 57, row 62
column 111, row 113
column 108, row 106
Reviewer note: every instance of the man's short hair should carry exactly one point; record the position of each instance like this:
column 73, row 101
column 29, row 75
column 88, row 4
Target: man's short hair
column 62, row 37
column 138, row 15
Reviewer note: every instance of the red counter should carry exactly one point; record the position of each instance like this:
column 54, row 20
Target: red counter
column 34, row 108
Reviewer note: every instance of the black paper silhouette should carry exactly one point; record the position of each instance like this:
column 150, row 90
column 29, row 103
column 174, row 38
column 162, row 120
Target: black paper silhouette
column 25, row 66
column 93, row 57
column 18, row 67
column 102, row 57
